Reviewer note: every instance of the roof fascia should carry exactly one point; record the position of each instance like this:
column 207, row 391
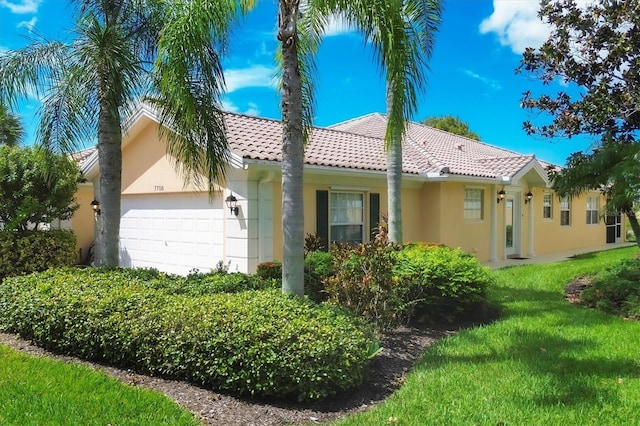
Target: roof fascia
column 315, row 169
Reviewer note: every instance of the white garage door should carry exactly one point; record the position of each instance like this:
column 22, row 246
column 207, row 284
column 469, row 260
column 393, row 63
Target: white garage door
column 174, row 233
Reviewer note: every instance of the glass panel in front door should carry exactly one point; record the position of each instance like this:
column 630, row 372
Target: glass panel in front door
column 508, row 219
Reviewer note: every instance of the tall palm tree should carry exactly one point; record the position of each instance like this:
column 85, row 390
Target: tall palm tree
column 11, row 129
column 165, row 52
column 405, row 42
column 401, row 34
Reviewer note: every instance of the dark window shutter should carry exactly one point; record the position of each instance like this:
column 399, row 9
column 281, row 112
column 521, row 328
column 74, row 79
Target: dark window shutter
column 322, row 217
column 374, row 214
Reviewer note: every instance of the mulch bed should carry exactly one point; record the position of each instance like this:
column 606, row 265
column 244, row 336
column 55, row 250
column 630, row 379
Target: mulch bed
column 402, row 349
column 574, row 288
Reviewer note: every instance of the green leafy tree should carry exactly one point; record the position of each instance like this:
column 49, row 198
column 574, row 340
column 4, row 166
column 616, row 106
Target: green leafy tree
column 36, row 186
column 597, row 48
column 451, row 124
column 401, row 33
column 11, row 129
column 166, row 52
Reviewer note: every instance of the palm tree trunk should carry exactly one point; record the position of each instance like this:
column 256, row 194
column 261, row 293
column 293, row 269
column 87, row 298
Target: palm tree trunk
column 292, row 153
column 110, row 160
column 394, row 179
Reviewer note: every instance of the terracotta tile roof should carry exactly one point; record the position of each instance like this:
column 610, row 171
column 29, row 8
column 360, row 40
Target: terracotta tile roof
column 82, row 156
column 359, row 144
column 457, row 154
column 261, row 139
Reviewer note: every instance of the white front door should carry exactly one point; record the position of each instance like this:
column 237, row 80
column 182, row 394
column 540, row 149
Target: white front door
column 511, row 226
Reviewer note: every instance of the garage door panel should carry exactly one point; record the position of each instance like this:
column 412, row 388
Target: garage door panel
column 173, row 233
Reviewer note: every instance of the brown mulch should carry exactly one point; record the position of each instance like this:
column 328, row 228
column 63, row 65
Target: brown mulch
column 402, row 349
column 574, row 288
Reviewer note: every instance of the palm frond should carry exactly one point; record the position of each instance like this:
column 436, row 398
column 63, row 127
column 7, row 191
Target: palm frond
column 189, row 81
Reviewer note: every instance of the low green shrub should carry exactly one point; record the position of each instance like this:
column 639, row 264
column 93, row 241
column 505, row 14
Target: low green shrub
column 318, row 267
column 616, row 290
column 446, row 283
column 198, row 283
column 246, row 343
column 364, row 283
column 388, row 284
column 269, row 270
column 33, row 251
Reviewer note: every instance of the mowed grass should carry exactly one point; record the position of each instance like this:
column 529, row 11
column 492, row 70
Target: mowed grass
column 41, row 391
column 545, row 362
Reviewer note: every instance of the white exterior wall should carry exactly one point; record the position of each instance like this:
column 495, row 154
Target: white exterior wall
column 241, row 232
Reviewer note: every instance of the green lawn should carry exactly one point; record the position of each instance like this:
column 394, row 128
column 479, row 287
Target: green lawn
column 545, row 362
column 40, row 391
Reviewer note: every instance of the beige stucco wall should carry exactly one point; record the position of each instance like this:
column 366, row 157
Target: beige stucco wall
column 472, row 236
column 412, row 212
column 148, row 168
column 82, row 221
column 550, row 236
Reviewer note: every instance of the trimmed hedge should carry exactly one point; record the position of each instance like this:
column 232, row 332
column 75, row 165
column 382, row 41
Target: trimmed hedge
column 246, row 343
column 198, row 284
column 447, row 283
column 34, row 251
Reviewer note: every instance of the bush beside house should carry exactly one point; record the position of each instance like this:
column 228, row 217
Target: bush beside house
column 246, row 343
column 32, row 251
column 37, row 187
column 616, row 290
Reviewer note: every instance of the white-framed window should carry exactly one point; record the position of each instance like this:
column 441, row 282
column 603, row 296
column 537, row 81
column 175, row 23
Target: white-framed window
column 547, row 206
column 593, row 208
column 473, row 204
column 346, row 217
column 565, row 211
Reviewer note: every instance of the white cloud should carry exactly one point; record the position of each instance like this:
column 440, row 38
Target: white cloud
column 252, row 108
column 494, row 84
column 338, row 25
column 21, row 7
column 254, row 76
column 28, row 24
column 516, row 24
column 227, row 105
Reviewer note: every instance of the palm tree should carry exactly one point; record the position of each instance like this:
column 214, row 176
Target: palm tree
column 401, row 33
column 165, row 52
column 405, row 43
column 11, row 129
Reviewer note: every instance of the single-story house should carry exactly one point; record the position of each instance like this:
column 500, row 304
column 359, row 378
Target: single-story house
column 489, row 201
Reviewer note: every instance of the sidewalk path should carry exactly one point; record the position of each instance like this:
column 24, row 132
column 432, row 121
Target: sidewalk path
column 553, row 257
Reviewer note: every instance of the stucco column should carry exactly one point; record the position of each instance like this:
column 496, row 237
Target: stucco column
column 531, row 230
column 494, row 225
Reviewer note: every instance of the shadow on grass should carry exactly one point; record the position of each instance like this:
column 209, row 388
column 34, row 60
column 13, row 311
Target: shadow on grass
column 572, row 368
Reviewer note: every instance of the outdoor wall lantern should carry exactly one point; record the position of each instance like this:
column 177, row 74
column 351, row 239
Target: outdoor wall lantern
column 528, row 197
column 501, row 195
column 232, row 203
column 95, row 205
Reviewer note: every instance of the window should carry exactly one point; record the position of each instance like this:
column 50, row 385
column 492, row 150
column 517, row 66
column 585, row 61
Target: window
column 473, row 204
column 346, row 213
column 547, row 206
column 593, row 207
column 565, row 211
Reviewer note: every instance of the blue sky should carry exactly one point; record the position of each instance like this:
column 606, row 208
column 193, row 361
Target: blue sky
column 471, row 75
